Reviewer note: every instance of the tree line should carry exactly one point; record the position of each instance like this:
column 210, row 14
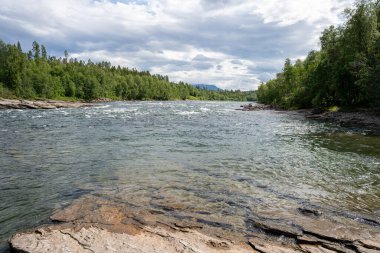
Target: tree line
column 35, row 75
column 344, row 72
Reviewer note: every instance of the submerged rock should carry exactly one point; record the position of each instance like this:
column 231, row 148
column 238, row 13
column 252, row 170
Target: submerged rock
column 316, row 233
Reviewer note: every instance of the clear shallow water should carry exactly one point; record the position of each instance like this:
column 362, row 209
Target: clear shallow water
column 203, row 158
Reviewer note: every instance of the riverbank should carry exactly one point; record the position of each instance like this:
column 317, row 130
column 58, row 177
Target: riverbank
column 362, row 117
column 40, row 104
column 96, row 224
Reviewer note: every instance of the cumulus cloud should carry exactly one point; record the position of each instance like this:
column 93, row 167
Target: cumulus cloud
column 234, row 44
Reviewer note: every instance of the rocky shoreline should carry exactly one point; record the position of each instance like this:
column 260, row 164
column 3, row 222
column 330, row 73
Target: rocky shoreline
column 96, row 224
column 360, row 117
column 369, row 118
column 40, row 104
column 255, row 107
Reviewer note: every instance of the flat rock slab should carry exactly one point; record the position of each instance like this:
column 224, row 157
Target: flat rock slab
column 96, row 239
column 96, row 224
column 47, row 104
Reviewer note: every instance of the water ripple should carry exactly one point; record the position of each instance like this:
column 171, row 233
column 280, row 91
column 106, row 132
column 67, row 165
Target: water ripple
column 201, row 157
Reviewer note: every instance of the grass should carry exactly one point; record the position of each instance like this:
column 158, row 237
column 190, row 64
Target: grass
column 333, row 108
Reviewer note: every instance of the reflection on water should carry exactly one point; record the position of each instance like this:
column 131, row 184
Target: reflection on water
column 202, row 158
column 356, row 143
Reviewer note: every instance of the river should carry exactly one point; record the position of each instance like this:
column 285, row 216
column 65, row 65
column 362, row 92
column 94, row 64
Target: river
column 204, row 158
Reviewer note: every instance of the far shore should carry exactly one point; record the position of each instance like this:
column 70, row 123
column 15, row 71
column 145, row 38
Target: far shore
column 43, row 104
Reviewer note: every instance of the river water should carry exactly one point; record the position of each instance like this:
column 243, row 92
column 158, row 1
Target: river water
column 204, row 158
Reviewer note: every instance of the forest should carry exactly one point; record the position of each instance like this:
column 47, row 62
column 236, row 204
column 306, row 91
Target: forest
column 35, row 75
column 345, row 71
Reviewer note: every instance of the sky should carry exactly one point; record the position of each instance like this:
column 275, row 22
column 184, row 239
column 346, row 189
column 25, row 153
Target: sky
column 234, row 44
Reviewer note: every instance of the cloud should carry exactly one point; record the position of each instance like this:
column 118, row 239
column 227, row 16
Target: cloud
column 234, row 44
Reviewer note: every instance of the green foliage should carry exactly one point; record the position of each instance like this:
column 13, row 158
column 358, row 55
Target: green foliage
column 345, row 72
column 36, row 75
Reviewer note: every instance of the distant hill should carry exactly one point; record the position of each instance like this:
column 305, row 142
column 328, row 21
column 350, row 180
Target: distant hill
column 207, row 87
